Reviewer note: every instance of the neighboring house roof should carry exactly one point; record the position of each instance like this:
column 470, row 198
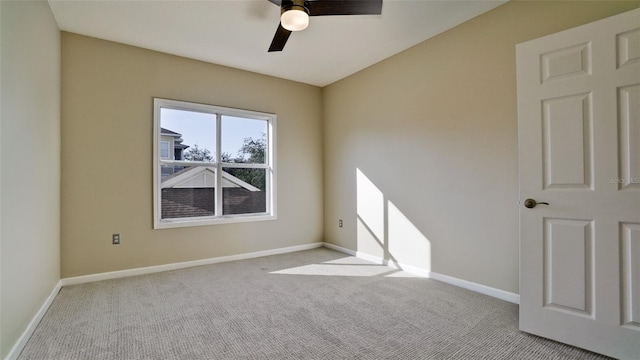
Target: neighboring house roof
column 168, row 132
column 203, row 177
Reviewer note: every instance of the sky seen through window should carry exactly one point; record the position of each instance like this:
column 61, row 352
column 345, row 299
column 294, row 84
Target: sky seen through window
column 200, row 128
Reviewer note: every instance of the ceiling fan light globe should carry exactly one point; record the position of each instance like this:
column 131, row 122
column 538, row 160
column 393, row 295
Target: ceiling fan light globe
column 294, row 20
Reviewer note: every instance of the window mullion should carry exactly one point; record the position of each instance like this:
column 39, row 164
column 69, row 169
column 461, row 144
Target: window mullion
column 245, row 166
column 187, row 163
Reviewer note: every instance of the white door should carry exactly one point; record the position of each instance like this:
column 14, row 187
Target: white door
column 579, row 151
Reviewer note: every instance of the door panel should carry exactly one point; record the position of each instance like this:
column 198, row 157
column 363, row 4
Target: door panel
column 629, row 137
column 566, row 136
column 628, row 46
column 564, row 63
column 568, row 279
column 579, row 150
column 630, row 246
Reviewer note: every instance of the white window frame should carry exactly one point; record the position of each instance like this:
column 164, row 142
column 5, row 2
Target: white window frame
column 219, row 112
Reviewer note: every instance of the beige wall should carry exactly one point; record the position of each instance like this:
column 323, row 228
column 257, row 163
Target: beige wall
column 421, row 149
column 29, row 164
column 107, row 92
column 419, row 153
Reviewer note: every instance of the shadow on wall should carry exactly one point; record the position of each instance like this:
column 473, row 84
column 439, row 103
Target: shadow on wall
column 383, row 231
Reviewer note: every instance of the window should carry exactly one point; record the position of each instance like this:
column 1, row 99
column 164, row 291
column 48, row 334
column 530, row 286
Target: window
column 212, row 164
column 164, row 150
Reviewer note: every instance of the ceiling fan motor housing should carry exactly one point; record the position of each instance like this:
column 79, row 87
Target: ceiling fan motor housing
column 294, row 5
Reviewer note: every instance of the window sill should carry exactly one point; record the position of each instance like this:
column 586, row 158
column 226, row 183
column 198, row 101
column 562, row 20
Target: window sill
column 229, row 219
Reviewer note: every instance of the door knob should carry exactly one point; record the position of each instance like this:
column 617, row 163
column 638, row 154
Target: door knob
column 530, row 203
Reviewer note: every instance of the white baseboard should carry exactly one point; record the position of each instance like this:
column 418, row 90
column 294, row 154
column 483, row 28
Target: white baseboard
column 182, row 265
column 26, row 334
column 378, row 260
column 408, row 268
column 339, row 249
column 482, row 289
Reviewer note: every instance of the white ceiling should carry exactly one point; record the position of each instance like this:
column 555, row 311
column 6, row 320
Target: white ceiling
column 237, row 33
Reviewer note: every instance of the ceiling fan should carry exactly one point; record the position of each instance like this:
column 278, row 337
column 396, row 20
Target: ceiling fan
column 294, row 14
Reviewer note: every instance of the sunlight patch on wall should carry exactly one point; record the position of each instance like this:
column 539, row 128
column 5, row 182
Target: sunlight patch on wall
column 385, row 232
column 370, row 219
column 406, row 242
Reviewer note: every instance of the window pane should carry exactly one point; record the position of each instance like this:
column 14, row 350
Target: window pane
column 243, row 191
column 187, row 191
column 243, row 140
column 193, row 134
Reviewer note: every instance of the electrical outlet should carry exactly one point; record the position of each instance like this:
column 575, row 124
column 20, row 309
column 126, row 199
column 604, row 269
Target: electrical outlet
column 115, row 239
column 340, row 223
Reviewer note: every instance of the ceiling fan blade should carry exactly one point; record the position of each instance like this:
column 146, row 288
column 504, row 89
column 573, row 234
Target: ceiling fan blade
column 277, row 2
column 344, row 7
column 279, row 39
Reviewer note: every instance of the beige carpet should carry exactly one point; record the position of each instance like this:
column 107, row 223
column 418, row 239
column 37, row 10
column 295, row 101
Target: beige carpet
column 316, row 304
